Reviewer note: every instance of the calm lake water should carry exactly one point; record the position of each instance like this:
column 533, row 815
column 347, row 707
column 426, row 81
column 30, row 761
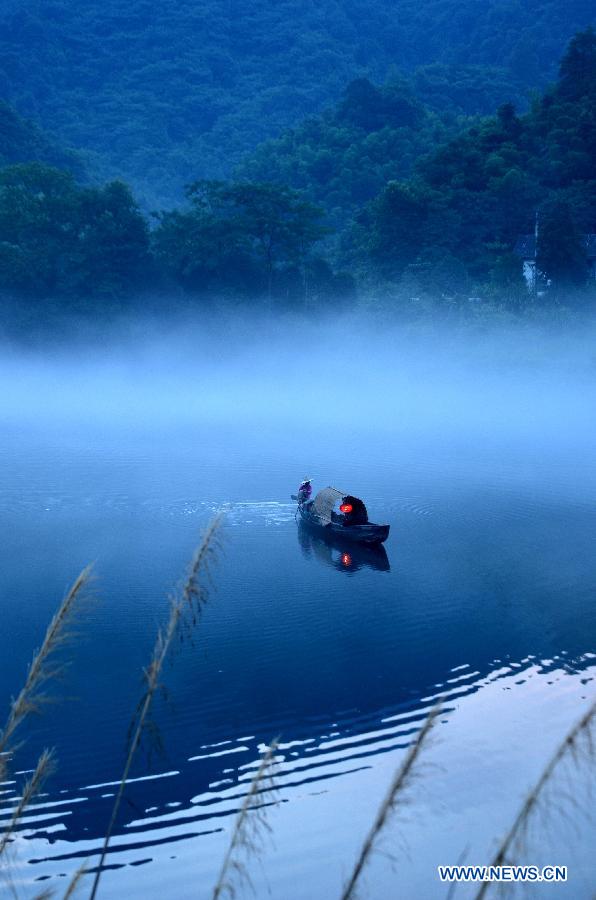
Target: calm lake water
column 483, row 601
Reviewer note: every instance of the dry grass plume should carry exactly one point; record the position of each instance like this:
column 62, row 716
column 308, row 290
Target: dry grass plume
column 185, row 611
column 250, row 829
column 580, row 742
column 400, row 782
column 33, row 696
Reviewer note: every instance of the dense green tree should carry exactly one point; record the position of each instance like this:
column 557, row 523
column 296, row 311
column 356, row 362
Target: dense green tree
column 59, row 239
column 506, row 280
column 202, row 248
column 22, row 141
column 560, row 256
column 112, row 242
column 400, row 217
column 38, row 227
column 344, row 158
column 458, row 89
column 238, row 235
column 371, row 108
column 577, row 73
column 280, row 225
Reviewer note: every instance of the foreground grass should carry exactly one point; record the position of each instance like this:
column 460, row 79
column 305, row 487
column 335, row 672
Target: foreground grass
column 186, row 608
column 45, row 668
column 251, row 825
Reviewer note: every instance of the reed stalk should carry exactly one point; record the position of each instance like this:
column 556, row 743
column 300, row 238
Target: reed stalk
column 32, row 697
column 74, row 883
column 44, row 768
column 43, row 669
column 568, row 747
column 399, row 783
column 185, row 609
column 249, row 828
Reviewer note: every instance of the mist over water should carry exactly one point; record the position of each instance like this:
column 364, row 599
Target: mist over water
column 223, row 368
column 476, row 445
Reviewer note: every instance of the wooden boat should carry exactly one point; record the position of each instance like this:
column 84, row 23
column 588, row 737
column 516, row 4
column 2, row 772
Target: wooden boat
column 319, row 514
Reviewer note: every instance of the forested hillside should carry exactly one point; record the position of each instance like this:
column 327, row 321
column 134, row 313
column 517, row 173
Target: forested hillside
column 345, row 156
column 454, row 223
column 165, row 93
column 436, row 203
column 395, row 190
column 23, row 141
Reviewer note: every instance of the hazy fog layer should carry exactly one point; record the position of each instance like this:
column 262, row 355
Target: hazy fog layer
column 331, row 373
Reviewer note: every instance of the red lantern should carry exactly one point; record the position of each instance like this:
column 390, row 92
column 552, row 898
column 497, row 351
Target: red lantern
column 346, row 508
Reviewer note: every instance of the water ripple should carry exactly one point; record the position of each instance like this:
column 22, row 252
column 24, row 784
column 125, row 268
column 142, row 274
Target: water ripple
column 334, row 750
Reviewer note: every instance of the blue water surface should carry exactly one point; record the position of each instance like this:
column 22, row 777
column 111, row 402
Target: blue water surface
column 487, row 581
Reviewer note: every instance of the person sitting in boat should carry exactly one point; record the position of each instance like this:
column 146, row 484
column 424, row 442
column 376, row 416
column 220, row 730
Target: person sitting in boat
column 353, row 511
column 305, row 491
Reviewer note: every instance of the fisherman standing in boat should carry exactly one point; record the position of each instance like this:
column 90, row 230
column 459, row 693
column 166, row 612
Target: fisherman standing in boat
column 305, row 491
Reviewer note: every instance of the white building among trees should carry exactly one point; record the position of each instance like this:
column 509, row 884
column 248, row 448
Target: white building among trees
column 526, row 248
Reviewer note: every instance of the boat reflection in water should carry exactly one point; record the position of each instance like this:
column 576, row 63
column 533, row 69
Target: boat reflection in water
column 343, row 555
